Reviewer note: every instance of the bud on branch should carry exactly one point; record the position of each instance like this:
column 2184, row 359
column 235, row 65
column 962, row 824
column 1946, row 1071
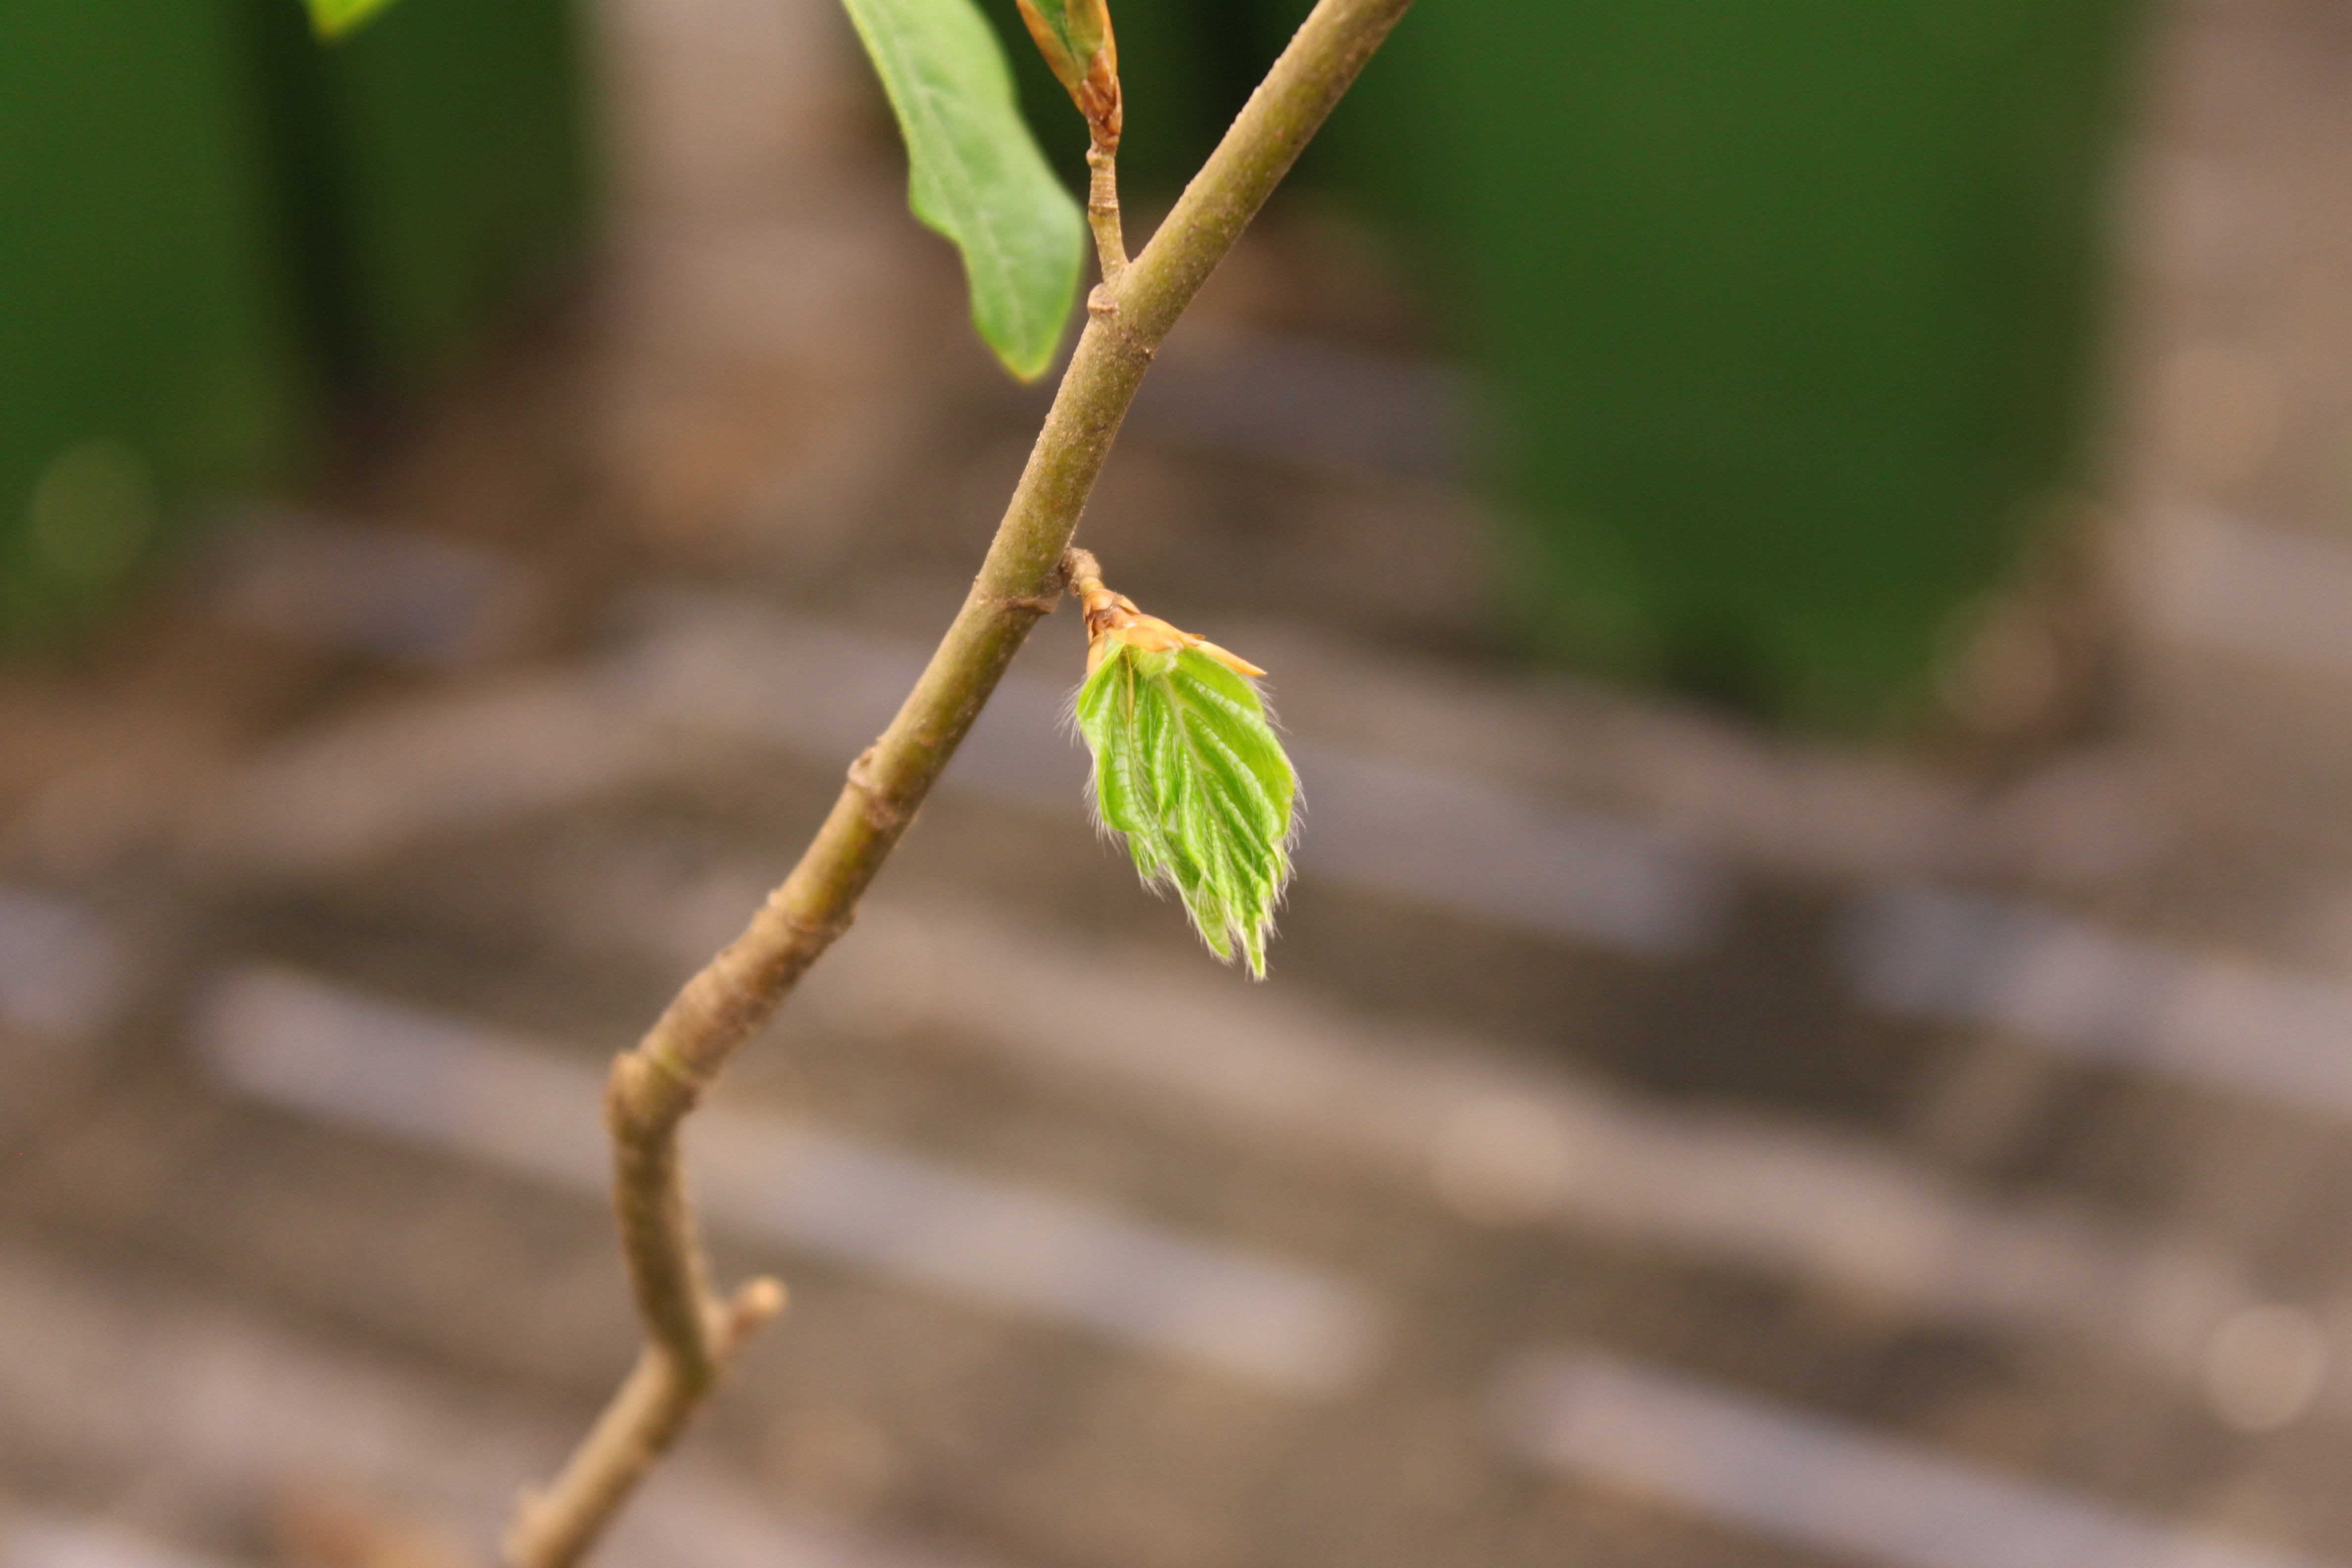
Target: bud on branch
column 1076, row 38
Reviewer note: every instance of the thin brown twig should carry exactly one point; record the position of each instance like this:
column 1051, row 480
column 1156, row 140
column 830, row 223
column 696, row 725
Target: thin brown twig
column 690, row 1336
column 1102, row 208
column 1103, row 100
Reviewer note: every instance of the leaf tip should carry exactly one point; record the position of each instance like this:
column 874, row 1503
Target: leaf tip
column 1027, row 365
column 331, row 21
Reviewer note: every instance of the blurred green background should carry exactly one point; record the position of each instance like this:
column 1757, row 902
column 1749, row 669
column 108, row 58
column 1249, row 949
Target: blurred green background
column 1792, row 306
column 214, row 234
column 1789, row 307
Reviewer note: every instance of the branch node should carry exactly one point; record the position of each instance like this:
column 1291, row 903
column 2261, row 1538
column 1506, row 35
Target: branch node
column 664, row 1059
column 886, row 814
column 1102, row 308
column 647, row 1094
column 1035, row 605
column 755, row 1302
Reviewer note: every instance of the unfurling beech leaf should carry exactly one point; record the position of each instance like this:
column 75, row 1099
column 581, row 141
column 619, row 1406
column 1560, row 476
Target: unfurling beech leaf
column 974, row 172
column 333, row 19
column 1189, row 771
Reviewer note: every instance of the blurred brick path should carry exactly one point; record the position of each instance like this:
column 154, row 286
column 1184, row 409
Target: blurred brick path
column 1659, row 1142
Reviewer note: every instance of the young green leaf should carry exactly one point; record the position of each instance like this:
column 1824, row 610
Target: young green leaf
column 1189, row 771
column 333, row 19
column 975, row 173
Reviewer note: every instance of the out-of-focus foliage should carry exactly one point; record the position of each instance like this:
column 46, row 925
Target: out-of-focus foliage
column 975, row 173
column 434, row 167
column 212, row 230
column 145, row 355
column 1792, row 307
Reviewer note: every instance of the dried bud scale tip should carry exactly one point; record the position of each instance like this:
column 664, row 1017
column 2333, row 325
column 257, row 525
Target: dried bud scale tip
column 1113, row 621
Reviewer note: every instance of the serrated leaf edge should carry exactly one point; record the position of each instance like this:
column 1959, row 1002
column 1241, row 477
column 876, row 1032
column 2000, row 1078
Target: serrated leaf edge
column 1152, row 862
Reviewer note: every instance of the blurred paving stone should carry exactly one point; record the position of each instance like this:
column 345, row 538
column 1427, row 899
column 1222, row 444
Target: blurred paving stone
column 477, row 1093
column 365, row 589
column 2217, row 1021
column 1800, row 1479
column 1503, row 1140
column 160, row 1380
column 48, row 1542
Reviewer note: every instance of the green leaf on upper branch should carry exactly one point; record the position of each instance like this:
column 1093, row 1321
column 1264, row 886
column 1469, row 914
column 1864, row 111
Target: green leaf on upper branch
column 1190, row 772
column 975, row 173
column 333, row 18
